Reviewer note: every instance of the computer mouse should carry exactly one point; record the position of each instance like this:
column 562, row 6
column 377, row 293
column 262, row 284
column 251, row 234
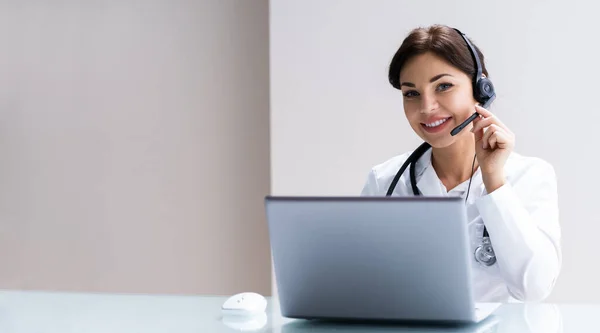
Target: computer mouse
column 246, row 323
column 244, row 304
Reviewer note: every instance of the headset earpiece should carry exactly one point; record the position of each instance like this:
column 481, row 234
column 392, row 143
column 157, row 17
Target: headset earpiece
column 484, row 90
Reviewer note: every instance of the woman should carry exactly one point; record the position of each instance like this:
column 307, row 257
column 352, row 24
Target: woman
column 511, row 199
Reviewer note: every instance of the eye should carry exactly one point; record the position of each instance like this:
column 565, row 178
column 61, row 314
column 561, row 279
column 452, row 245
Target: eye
column 445, row 86
column 411, row 93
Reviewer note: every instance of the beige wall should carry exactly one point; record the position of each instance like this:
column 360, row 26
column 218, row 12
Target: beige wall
column 135, row 146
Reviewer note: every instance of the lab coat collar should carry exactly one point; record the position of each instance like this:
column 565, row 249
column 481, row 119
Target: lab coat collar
column 427, row 180
column 429, row 183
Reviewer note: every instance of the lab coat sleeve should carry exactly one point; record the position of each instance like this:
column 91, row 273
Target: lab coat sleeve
column 371, row 186
column 522, row 219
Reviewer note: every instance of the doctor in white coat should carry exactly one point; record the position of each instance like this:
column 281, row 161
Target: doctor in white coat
column 511, row 199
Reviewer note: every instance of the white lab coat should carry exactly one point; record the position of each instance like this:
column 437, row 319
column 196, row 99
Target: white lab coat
column 522, row 219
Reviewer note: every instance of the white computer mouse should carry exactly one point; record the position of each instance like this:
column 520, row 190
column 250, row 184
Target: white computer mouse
column 244, row 304
column 246, row 323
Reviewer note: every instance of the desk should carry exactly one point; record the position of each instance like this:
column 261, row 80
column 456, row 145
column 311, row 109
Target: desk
column 48, row 312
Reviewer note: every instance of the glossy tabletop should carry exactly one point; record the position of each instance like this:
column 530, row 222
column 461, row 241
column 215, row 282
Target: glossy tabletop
column 49, row 312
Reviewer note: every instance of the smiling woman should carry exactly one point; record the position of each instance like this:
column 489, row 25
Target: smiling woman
column 513, row 207
column 450, row 89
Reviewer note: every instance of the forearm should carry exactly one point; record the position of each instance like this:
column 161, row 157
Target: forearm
column 528, row 256
column 493, row 180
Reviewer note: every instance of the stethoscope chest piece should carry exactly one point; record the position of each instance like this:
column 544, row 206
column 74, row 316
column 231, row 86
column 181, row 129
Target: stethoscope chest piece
column 485, row 252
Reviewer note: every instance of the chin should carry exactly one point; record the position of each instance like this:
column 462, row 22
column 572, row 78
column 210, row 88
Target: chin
column 440, row 142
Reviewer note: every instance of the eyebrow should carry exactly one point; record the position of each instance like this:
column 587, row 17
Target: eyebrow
column 433, row 79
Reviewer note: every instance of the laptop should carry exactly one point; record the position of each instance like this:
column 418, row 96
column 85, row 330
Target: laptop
column 488, row 325
column 373, row 258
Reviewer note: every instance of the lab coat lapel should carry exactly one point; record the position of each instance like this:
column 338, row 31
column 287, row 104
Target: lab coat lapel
column 429, row 184
column 477, row 186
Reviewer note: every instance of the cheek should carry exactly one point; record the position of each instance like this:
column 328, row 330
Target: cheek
column 459, row 106
column 466, row 109
column 412, row 113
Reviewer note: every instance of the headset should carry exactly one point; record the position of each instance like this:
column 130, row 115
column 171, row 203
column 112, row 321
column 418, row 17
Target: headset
column 484, row 93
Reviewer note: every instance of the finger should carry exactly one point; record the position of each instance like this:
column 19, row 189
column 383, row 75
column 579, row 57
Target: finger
column 493, row 141
column 482, row 111
column 482, row 123
column 487, row 114
column 479, row 132
column 502, row 139
column 488, row 133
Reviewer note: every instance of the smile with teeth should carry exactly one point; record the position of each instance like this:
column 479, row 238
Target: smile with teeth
column 436, row 123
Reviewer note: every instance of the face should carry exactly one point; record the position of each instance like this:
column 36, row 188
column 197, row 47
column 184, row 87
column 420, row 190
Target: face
column 437, row 98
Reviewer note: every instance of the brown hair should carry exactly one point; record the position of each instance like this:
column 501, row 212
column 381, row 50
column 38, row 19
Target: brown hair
column 441, row 40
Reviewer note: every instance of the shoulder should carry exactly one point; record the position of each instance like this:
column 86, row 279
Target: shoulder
column 532, row 178
column 381, row 175
column 519, row 166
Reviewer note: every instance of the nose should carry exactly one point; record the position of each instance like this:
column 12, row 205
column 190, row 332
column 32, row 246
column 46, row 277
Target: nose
column 428, row 103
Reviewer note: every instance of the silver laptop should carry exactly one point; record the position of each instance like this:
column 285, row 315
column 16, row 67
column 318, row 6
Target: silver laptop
column 373, row 258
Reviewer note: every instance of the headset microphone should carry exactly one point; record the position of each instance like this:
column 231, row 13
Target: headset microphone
column 460, row 127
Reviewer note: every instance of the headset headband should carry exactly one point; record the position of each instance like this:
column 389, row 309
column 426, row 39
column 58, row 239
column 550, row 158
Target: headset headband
column 473, row 53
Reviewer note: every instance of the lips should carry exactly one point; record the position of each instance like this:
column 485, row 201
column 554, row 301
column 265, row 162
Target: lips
column 436, row 125
column 436, row 122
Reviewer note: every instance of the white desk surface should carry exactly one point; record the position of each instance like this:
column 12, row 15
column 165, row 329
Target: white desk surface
column 56, row 312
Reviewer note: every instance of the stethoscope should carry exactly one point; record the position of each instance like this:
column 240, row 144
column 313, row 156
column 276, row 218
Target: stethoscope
column 484, row 253
column 484, row 93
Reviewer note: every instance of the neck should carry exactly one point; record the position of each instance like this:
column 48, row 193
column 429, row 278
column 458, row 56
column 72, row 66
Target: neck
column 454, row 164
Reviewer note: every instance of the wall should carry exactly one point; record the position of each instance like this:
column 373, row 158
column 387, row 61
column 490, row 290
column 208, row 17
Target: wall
column 334, row 114
column 135, row 146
